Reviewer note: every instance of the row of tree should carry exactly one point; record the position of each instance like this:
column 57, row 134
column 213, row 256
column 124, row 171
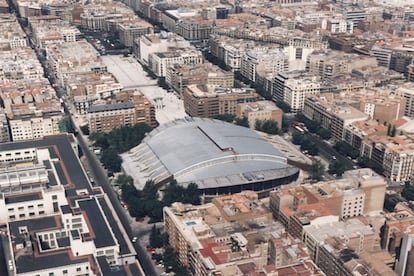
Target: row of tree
column 117, row 141
column 305, row 143
column 146, row 202
column 230, row 118
column 314, row 127
column 267, row 126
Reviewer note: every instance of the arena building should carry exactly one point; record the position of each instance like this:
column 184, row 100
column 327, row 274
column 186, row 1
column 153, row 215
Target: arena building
column 220, row 157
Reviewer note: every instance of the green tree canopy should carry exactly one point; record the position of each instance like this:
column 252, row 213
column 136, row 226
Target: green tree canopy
column 111, row 160
column 267, row 126
column 317, row 170
column 336, row 167
column 242, row 122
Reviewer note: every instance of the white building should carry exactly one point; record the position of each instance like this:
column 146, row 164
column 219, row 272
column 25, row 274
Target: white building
column 159, row 62
column 32, row 128
column 269, row 60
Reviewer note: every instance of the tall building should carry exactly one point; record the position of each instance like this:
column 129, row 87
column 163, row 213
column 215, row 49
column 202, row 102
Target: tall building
column 292, row 88
column 405, row 264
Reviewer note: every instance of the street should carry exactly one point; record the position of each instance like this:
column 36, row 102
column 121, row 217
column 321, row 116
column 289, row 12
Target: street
column 101, row 179
column 327, row 152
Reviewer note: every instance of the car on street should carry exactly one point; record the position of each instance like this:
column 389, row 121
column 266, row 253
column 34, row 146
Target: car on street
column 134, row 239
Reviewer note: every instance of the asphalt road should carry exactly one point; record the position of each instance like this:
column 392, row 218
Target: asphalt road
column 327, row 152
column 100, row 178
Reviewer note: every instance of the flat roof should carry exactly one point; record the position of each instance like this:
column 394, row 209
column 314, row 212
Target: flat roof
column 28, row 263
column 103, row 235
column 110, row 107
column 123, row 246
column 33, row 224
column 66, row 154
column 10, row 199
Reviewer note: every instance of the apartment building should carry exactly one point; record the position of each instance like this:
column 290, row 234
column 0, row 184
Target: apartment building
column 293, row 88
column 49, row 233
column 272, row 61
column 331, row 114
column 180, row 76
column 329, row 64
column 404, row 265
column 260, row 110
column 86, row 88
column 105, row 117
column 157, row 43
column 360, row 192
column 205, row 246
column 133, row 29
column 47, row 32
column 355, row 234
column 355, row 133
column 406, row 90
column 207, row 102
column 72, row 58
column 11, row 34
column 160, row 61
column 20, row 63
column 144, row 108
column 194, row 28
column 395, row 226
column 337, row 258
column 394, row 154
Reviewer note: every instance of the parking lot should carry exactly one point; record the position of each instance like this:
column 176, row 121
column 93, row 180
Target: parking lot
column 131, row 75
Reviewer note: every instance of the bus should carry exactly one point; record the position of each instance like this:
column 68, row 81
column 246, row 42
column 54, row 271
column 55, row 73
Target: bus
column 299, row 129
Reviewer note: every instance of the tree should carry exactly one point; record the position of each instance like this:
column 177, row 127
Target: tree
column 150, row 191
column 111, row 160
column 192, row 194
column 242, row 122
column 317, row 170
column 297, row 138
column 267, row 126
column 284, row 106
column 393, row 131
column 324, row 133
column 337, row 168
column 155, row 238
column 408, row 191
column 225, row 117
column 85, row 129
column 173, row 193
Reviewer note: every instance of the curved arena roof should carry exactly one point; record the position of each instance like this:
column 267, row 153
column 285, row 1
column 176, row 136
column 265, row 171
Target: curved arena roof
column 208, row 152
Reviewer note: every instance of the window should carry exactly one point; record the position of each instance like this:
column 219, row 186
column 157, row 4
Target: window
column 10, row 209
column 51, row 273
column 20, row 208
column 65, row 271
column 78, row 269
column 12, row 217
column 54, row 197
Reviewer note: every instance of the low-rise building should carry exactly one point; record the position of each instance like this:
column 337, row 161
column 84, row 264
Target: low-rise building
column 260, row 110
